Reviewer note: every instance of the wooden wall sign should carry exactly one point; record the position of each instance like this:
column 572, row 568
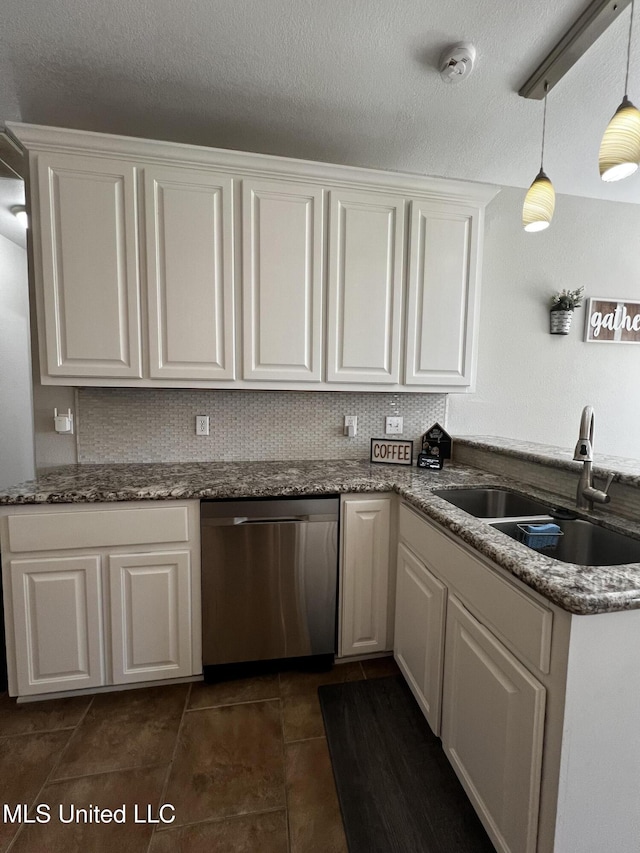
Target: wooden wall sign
column 612, row 321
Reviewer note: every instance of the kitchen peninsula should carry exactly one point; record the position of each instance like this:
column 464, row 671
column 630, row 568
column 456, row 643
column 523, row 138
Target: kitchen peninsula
column 546, row 643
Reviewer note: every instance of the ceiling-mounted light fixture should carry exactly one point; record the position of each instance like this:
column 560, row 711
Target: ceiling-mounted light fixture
column 540, row 200
column 620, row 146
column 20, row 213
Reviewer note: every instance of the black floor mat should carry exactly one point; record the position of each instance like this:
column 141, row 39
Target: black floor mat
column 397, row 791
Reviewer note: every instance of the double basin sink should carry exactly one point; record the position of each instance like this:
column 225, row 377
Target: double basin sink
column 579, row 541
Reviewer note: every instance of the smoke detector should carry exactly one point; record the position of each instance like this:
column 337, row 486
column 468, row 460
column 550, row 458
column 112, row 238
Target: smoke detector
column 456, row 63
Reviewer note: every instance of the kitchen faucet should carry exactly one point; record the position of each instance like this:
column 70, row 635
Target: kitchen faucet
column 587, row 494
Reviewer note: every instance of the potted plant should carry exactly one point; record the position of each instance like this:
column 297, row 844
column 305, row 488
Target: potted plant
column 562, row 307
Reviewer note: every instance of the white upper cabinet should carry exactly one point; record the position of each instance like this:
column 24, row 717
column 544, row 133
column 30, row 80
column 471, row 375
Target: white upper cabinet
column 283, row 227
column 88, row 249
column 258, row 271
column 189, row 223
column 441, row 304
column 366, row 262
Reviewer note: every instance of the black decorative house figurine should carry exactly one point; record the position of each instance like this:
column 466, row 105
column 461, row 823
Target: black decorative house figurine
column 436, row 447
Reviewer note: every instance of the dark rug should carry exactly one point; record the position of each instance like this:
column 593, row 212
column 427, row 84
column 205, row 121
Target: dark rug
column 397, row 791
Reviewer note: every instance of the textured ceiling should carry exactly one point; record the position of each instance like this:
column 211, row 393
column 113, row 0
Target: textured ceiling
column 346, row 81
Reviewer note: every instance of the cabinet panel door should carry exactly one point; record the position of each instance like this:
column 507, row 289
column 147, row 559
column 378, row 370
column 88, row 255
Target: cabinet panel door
column 366, row 262
column 189, row 219
column 419, row 632
column 365, row 575
column 492, row 730
column 90, row 279
column 441, row 302
column 283, row 233
column 58, row 624
column 150, row 615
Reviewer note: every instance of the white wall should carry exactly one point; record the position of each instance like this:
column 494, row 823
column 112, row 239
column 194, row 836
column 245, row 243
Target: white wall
column 16, row 424
column 533, row 385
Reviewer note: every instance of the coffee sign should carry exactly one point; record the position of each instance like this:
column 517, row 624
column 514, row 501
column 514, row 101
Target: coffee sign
column 391, row 451
column 612, row 321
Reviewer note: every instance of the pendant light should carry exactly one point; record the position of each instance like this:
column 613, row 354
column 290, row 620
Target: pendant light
column 620, row 146
column 540, row 200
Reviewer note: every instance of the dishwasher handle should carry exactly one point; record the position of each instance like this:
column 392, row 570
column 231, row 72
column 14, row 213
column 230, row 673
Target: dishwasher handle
column 234, row 521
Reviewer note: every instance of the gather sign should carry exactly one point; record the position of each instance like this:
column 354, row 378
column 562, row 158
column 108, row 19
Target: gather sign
column 612, row 321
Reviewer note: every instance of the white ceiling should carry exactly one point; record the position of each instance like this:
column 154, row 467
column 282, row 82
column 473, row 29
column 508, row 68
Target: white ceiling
column 346, row 81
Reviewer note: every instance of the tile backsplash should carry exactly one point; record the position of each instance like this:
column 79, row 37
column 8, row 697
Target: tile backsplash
column 158, row 425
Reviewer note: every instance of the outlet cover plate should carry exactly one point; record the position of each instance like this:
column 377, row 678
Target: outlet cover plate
column 394, row 425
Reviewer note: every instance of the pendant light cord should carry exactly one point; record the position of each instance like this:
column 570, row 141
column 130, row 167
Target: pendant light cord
column 544, row 123
column 626, row 79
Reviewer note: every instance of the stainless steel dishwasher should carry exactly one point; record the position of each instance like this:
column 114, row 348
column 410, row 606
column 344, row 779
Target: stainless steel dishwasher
column 269, row 579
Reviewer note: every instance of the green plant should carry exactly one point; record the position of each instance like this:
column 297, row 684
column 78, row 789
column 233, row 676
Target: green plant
column 567, row 300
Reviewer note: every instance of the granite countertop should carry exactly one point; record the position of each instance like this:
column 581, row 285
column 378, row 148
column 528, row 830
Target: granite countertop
column 577, row 589
column 627, row 470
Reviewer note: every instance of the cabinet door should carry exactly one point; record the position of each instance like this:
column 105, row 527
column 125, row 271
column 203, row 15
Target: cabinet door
column 150, row 615
column 189, row 219
column 57, row 616
column 87, row 223
column 492, row 730
column 283, row 233
column 419, row 632
column 366, row 262
column 365, row 575
column 441, row 305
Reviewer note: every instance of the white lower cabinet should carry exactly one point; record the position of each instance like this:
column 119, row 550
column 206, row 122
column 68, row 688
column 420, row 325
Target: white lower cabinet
column 492, row 730
column 421, row 601
column 150, row 616
column 365, row 574
column 117, row 603
column 57, row 610
column 470, row 674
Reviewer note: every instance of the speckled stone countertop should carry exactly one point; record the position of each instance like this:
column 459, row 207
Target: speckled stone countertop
column 577, row 589
column 627, row 470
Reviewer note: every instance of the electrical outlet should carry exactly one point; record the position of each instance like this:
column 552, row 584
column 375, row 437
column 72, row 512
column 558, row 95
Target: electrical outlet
column 394, row 426
column 202, row 424
column 350, row 427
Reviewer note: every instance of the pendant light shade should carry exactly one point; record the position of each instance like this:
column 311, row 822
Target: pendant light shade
column 539, row 204
column 540, row 200
column 620, row 146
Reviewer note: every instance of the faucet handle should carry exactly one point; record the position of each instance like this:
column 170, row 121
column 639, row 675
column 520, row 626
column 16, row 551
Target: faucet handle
column 610, row 479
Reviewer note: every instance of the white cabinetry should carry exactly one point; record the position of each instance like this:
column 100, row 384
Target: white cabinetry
column 492, row 730
column 480, row 690
column 283, row 228
column 57, row 608
column 100, row 596
column 241, row 261
column 86, row 239
column 418, row 645
column 442, row 299
column 365, row 573
column 366, row 269
column 189, row 226
column 150, row 615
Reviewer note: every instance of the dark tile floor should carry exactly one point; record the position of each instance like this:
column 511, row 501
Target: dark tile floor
column 245, row 764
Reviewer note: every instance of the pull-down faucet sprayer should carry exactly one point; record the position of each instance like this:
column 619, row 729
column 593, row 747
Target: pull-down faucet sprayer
column 587, row 494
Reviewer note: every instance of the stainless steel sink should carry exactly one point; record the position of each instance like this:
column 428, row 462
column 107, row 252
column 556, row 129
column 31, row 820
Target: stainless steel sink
column 493, row 503
column 581, row 542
